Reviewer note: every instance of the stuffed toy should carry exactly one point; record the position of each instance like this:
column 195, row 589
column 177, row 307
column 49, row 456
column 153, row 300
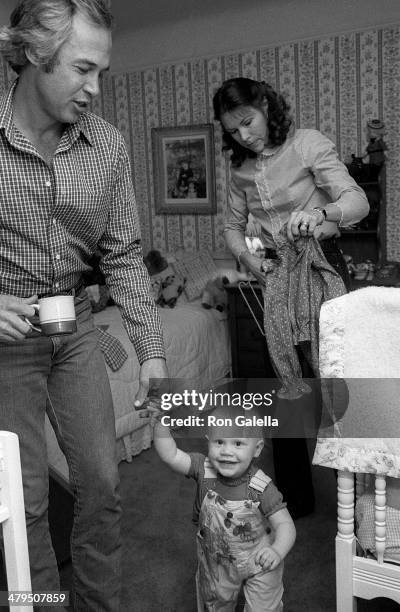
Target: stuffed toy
column 364, row 270
column 155, row 262
column 171, row 288
column 214, row 294
column 232, row 276
column 95, row 284
column 350, row 264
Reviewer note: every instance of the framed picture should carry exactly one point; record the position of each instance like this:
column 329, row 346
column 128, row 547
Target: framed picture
column 184, row 170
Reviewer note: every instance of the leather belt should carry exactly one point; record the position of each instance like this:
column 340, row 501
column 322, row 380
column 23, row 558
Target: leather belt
column 75, row 291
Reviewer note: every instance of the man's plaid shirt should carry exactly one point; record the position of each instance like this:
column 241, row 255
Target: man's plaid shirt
column 52, row 218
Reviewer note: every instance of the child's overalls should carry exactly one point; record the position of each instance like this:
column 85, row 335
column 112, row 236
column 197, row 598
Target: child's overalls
column 229, row 535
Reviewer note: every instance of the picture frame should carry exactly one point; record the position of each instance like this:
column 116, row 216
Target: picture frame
column 184, row 170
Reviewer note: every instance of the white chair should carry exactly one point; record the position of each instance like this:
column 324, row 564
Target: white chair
column 12, row 518
column 360, row 339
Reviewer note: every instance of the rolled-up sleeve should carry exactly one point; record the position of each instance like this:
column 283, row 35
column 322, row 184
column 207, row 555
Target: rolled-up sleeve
column 330, row 174
column 124, row 269
column 271, row 500
column 236, row 223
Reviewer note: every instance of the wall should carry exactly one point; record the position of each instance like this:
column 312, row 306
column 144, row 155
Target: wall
column 6, row 7
column 334, row 84
column 208, row 27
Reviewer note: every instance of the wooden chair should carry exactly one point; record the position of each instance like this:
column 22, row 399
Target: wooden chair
column 358, row 576
column 12, row 518
column 360, row 343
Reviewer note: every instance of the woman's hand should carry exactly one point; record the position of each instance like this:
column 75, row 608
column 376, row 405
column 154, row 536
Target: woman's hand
column 253, row 265
column 303, row 223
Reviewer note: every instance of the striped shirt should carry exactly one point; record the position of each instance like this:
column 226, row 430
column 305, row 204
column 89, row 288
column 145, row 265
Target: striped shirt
column 54, row 216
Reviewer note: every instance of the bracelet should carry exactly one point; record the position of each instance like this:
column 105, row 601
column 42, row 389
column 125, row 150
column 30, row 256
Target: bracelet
column 240, row 254
column 341, row 213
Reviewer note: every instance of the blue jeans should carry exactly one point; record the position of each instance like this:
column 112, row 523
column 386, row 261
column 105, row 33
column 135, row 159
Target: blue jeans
column 66, row 376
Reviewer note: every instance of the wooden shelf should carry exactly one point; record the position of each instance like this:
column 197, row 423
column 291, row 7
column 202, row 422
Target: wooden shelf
column 349, row 232
column 369, row 243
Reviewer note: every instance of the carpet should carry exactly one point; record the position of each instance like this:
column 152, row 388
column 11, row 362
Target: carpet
column 159, row 557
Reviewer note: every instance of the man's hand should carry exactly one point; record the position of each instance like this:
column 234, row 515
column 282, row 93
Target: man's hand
column 151, row 368
column 13, row 311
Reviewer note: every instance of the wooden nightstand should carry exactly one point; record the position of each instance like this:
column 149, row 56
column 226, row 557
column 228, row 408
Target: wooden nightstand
column 367, row 239
column 250, row 357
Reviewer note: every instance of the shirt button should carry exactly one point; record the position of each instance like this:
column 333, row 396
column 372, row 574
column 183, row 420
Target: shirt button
column 58, row 256
column 56, row 285
column 54, row 221
column 48, row 183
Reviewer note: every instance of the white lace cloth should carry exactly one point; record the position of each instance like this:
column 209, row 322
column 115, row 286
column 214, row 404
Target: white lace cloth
column 360, row 343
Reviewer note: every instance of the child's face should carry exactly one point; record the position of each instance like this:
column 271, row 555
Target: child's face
column 231, row 457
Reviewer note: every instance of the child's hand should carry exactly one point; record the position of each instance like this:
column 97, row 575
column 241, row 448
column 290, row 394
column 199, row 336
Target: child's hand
column 268, row 558
column 151, row 408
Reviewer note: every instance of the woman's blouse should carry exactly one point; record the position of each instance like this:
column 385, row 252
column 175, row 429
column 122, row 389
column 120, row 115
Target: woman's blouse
column 301, row 174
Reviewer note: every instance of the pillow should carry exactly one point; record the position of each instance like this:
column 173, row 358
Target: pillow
column 197, row 267
column 99, row 297
column 171, row 289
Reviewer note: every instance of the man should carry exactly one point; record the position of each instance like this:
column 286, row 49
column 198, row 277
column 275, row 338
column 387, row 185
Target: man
column 66, row 190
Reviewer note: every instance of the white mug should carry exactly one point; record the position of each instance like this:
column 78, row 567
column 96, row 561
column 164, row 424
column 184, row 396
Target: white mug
column 56, row 315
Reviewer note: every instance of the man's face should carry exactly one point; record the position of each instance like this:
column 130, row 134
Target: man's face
column 66, row 92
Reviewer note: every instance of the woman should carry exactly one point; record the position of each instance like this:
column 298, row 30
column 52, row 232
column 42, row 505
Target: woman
column 297, row 189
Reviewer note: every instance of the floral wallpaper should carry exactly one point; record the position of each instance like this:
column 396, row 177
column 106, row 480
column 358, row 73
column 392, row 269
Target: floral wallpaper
column 334, row 84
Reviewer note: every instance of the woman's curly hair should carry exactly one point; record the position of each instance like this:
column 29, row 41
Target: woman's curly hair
column 247, row 92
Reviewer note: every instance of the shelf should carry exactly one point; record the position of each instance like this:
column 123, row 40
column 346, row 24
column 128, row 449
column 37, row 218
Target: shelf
column 358, row 231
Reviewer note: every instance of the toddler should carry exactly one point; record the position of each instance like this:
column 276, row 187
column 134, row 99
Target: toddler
column 365, row 519
column 244, row 528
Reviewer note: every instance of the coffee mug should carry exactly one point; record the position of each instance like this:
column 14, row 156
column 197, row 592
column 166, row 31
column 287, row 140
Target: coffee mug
column 56, row 315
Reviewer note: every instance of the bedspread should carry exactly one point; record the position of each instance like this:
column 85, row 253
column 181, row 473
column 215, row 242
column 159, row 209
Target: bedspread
column 197, row 349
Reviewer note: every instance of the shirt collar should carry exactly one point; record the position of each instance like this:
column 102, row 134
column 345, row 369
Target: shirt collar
column 269, row 151
column 82, row 126
column 6, row 111
column 6, row 119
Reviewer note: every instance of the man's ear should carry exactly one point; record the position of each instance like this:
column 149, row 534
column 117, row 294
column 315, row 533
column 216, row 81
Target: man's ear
column 30, row 57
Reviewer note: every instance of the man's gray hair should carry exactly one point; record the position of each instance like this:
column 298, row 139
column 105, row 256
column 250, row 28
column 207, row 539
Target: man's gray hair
column 42, row 26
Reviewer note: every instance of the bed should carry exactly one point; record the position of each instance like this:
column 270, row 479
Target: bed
column 197, row 348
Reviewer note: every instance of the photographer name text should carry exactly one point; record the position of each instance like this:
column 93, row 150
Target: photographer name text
column 213, row 421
